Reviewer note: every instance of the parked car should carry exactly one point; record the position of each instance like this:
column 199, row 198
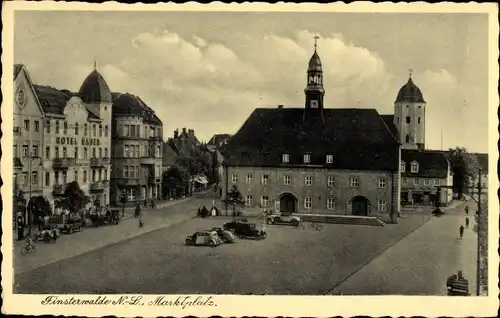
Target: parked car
column 72, row 225
column 283, row 219
column 243, row 229
column 207, row 238
column 225, row 235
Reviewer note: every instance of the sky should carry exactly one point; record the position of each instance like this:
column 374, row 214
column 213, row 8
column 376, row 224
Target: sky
column 208, row 71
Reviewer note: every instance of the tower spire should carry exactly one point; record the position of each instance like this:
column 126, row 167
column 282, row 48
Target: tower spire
column 95, row 63
column 316, row 42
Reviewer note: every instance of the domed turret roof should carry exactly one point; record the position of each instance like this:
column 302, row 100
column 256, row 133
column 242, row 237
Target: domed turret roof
column 95, row 89
column 410, row 93
column 315, row 63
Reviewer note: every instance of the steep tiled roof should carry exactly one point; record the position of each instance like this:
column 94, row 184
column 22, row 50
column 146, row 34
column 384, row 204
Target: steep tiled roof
column 169, row 155
column 131, row 105
column 431, row 164
column 51, row 99
column 389, row 121
column 17, row 69
column 218, row 139
column 358, row 139
column 95, row 89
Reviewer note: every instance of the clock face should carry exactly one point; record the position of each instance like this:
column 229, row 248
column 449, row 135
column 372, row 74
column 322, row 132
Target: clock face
column 21, row 97
column 314, row 104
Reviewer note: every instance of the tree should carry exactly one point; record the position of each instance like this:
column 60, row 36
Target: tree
column 233, row 198
column 39, row 207
column 464, row 166
column 74, row 199
column 173, row 179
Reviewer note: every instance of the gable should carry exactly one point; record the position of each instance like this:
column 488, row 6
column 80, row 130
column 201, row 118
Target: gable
column 430, row 164
column 25, row 98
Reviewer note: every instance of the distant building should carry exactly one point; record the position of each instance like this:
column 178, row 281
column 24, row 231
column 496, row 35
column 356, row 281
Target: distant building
column 315, row 160
column 137, row 150
column 169, row 156
column 218, row 140
column 422, row 170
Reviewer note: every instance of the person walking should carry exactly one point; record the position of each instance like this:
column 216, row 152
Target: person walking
column 20, row 226
column 467, row 222
column 461, row 231
column 466, row 209
column 141, row 223
column 137, row 211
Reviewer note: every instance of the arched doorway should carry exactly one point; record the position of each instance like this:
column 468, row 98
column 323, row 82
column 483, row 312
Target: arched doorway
column 288, row 203
column 359, row 205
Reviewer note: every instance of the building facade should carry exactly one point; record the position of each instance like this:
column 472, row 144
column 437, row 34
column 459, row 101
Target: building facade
column 423, row 171
column 27, row 136
column 77, row 139
column 315, row 160
column 137, row 150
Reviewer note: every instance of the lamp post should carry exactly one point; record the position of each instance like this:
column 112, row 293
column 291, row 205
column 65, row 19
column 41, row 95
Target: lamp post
column 29, row 205
column 478, row 272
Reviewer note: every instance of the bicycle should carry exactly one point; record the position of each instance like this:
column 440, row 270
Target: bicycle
column 28, row 248
column 315, row 226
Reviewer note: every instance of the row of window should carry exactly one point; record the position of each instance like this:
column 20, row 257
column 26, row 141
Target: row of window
column 27, row 125
column 133, row 151
column 285, row 158
column 135, row 131
column 132, row 194
column 424, row 181
column 408, row 119
column 76, row 128
column 308, row 180
column 96, row 152
column 330, row 203
column 132, row 172
column 413, row 167
column 62, row 177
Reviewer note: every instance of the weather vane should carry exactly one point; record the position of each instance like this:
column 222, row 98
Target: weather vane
column 411, row 72
column 316, row 42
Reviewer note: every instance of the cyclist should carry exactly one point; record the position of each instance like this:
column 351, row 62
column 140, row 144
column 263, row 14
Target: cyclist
column 29, row 243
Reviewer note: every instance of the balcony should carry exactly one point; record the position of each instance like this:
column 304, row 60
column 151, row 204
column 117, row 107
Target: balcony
column 156, row 138
column 126, row 182
column 99, row 162
column 58, row 189
column 97, row 186
column 63, row 163
column 149, row 160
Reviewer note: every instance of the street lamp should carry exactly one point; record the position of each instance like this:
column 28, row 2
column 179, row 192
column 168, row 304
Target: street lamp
column 29, row 203
column 478, row 272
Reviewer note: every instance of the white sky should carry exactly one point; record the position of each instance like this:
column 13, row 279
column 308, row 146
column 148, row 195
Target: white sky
column 209, row 70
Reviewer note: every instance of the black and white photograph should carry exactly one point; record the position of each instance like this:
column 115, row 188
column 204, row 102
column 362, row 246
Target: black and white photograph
column 170, row 157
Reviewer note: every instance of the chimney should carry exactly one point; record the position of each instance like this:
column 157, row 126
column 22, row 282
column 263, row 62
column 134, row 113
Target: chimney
column 176, row 133
column 280, row 106
column 183, row 130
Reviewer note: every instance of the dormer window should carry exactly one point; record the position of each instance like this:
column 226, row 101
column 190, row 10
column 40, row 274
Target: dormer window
column 307, row 158
column 285, row 158
column 329, row 158
column 403, row 166
column 414, row 167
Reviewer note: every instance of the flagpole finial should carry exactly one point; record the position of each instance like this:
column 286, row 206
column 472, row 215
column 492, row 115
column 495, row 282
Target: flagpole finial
column 316, row 42
column 411, row 71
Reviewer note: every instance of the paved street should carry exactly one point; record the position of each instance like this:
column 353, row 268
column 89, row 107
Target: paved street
column 421, row 262
column 93, row 238
column 289, row 261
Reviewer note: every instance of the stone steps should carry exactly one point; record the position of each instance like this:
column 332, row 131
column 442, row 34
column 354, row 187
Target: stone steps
column 341, row 219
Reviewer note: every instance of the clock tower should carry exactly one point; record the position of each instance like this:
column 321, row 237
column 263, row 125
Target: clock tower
column 314, row 91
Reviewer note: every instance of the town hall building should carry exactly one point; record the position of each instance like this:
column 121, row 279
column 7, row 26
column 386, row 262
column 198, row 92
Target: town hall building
column 314, row 159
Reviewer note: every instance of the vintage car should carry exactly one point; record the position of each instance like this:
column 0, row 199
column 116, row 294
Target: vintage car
column 72, row 225
column 283, row 219
column 48, row 234
column 437, row 212
column 243, row 229
column 207, row 238
column 225, row 235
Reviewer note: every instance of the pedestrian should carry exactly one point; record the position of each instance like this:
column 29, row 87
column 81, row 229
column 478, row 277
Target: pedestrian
column 20, row 226
column 467, row 221
column 137, row 211
column 466, row 209
column 461, row 231
column 141, row 223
